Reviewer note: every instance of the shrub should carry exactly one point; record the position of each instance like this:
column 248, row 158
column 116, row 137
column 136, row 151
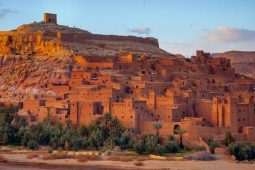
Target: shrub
column 212, row 148
column 159, row 149
column 32, row 144
column 148, row 144
column 5, row 139
column 172, row 145
column 228, row 139
column 151, row 143
column 139, row 147
column 212, row 144
column 242, row 151
column 125, row 140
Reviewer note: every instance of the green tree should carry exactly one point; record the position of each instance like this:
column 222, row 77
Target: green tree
column 96, row 139
column 139, row 147
column 83, row 131
column 109, row 130
column 25, row 135
column 180, row 132
column 5, row 139
column 7, row 129
column 151, row 143
column 32, row 144
column 20, row 121
column 125, row 140
column 157, row 126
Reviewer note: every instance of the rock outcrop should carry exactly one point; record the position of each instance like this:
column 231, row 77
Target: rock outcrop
column 37, row 54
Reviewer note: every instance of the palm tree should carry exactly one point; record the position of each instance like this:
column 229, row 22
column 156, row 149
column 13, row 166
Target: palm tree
column 157, row 126
column 180, row 132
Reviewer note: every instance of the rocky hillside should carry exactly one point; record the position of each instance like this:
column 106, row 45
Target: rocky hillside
column 243, row 62
column 36, row 54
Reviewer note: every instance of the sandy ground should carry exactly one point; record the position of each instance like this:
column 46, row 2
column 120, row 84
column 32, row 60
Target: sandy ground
column 17, row 160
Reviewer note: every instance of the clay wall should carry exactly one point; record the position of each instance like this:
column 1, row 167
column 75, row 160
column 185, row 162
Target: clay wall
column 32, row 105
column 203, row 108
column 83, row 112
column 57, row 104
column 125, row 58
column 250, row 133
column 81, row 74
column 59, row 88
column 225, row 113
column 125, row 112
column 42, row 114
column 148, row 128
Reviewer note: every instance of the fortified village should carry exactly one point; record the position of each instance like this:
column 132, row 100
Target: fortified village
column 201, row 94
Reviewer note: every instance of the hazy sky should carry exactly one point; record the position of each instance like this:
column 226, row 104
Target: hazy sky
column 181, row 26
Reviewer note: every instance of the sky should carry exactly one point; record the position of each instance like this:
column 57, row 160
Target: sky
column 181, row 26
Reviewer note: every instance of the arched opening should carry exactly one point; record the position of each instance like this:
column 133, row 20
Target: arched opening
column 176, row 127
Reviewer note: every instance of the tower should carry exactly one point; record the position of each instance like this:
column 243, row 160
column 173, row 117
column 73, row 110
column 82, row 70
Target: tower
column 50, row 18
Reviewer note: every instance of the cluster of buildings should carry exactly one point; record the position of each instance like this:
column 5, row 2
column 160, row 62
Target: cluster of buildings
column 201, row 94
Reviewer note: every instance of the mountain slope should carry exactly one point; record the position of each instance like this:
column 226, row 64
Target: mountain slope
column 36, row 54
column 243, row 62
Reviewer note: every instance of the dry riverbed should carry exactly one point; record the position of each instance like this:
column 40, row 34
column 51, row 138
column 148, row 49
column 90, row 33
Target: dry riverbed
column 21, row 159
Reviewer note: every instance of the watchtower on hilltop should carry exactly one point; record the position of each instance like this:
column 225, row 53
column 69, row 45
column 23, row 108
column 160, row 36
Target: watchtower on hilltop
column 50, row 18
